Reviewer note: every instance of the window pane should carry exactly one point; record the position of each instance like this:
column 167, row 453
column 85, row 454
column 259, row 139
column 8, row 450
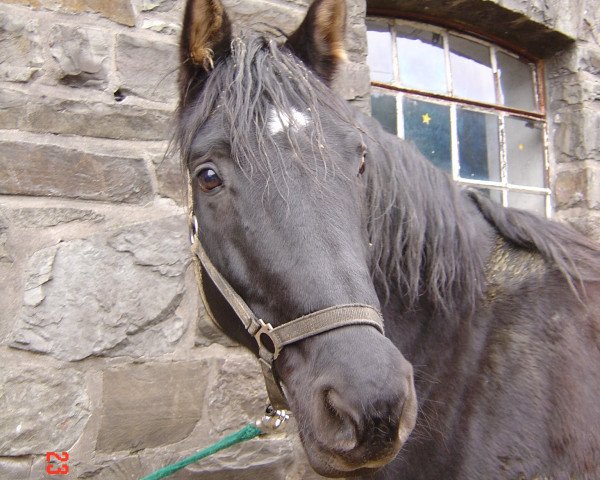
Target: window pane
column 527, row 201
column 421, row 59
column 472, row 75
column 428, row 125
column 478, row 145
column 383, row 108
column 516, row 79
column 379, row 58
column 492, row 194
column 524, row 152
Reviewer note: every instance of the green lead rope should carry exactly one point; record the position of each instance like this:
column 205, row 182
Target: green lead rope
column 248, row 432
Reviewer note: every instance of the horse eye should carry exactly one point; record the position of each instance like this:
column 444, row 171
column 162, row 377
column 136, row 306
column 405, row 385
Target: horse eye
column 209, row 180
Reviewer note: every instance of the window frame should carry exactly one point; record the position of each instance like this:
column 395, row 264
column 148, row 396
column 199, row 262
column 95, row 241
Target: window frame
column 454, row 102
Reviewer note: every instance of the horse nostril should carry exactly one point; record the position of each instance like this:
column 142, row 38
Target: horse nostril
column 343, row 423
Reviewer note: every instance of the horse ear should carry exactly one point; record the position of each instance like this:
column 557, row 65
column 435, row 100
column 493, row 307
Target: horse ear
column 319, row 40
column 205, row 39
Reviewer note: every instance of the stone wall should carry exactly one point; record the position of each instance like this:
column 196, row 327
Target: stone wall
column 105, row 352
column 573, row 85
column 104, row 348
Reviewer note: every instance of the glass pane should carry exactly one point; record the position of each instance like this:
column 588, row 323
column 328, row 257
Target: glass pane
column 524, row 152
column 478, row 145
column 472, row 75
column 421, row 59
column 516, row 79
column 383, row 108
column 493, row 195
column 428, row 125
column 528, row 201
column 379, row 57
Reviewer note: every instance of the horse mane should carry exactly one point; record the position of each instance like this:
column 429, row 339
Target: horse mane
column 423, row 243
column 423, row 236
column 574, row 255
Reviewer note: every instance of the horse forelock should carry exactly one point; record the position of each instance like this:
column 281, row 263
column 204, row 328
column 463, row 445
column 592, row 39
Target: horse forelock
column 263, row 91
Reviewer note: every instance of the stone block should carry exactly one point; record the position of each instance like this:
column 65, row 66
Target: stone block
column 121, row 121
column 171, row 177
column 5, row 255
column 120, row 11
column 265, row 15
column 264, row 458
column 208, row 333
column 575, row 90
column 570, row 188
column 147, row 68
column 145, row 406
column 540, row 11
column 162, row 26
column 352, row 81
column 584, row 220
column 239, row 387
column 20, row 49
column 590, row 59
column 356, row 32
column 36, row 169
column 113, row 294
column 161, row 16
column 15, row 468
column 13, row 106
column 259, row 458
column 157, row 5
column 82, row 55
column 576, row 134
column 28, row 217
column 593, row 184
column 589, row 122
column 41, row 408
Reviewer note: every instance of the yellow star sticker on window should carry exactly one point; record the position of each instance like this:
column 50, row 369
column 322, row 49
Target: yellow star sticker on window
column 426, row 119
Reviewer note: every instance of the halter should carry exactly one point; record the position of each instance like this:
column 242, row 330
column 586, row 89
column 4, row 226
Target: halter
column 271, row 340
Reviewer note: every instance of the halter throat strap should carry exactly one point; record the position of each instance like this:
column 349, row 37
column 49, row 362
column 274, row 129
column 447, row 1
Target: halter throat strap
column 271, row 340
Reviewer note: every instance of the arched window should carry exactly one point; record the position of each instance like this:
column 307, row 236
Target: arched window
column 474, row 109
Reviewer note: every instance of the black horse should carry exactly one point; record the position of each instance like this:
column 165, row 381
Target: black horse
column 304, row 203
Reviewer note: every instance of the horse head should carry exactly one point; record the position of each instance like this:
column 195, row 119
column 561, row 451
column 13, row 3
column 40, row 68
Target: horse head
column 279, row 169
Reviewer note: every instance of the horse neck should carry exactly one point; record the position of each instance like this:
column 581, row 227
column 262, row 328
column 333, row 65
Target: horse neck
column 432, row 243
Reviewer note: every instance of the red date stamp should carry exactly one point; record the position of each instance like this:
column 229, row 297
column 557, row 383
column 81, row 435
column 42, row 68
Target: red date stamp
column 57, row 463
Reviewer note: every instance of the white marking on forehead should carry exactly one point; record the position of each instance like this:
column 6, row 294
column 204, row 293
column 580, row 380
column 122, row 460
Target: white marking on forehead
column 279, row 121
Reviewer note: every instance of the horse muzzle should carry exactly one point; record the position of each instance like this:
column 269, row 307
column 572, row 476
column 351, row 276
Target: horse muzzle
column 360, row 408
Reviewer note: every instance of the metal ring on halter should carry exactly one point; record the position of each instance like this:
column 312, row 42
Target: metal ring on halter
column 270, row 346
column 194, row 229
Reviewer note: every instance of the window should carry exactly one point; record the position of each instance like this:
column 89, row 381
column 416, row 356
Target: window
column 471, row 107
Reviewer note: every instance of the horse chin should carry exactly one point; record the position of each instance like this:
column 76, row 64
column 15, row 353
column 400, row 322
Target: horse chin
column 332, row 466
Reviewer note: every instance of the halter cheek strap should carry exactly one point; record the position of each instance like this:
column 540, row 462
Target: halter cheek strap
column 271, row 340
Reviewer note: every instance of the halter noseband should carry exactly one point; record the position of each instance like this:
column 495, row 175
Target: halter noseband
column 271, row 340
